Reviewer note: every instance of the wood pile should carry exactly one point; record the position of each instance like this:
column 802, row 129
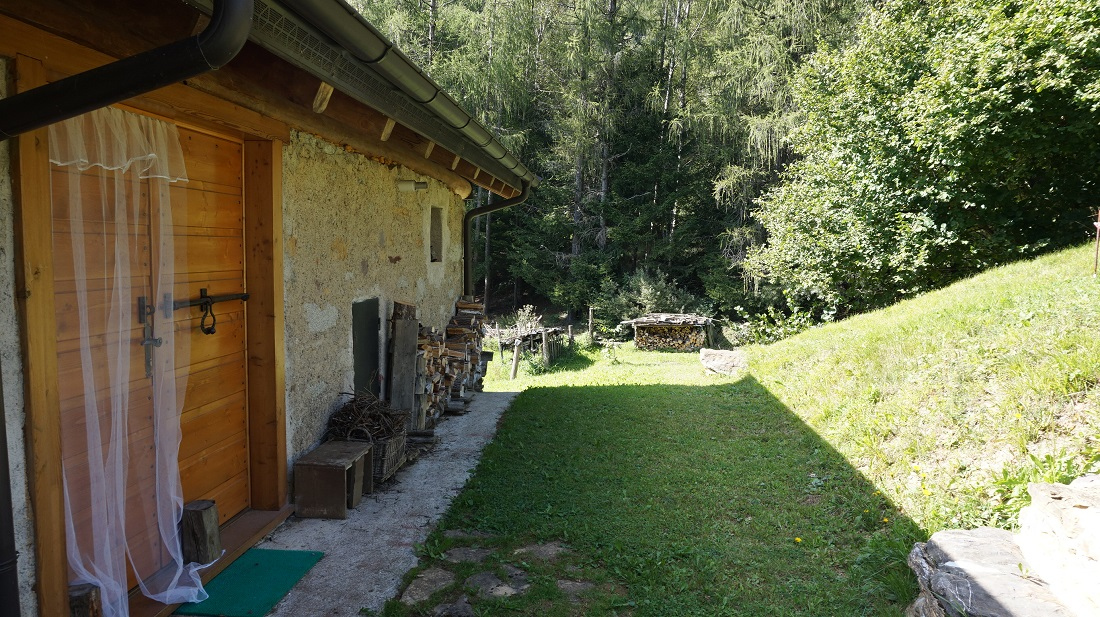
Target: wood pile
column 464, row 340
column 432, row 367
column 670, row 331
column 449, row 363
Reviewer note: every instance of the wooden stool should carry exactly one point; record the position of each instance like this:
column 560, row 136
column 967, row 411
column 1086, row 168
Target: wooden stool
column 333, row 478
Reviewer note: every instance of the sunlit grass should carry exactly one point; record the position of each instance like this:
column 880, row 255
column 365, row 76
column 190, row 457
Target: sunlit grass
column 934, row 397
column 797, row 487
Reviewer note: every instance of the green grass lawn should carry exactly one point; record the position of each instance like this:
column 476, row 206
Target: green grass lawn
column 797, row 487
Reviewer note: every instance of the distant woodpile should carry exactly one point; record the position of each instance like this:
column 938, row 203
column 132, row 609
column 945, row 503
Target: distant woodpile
column 670, row 331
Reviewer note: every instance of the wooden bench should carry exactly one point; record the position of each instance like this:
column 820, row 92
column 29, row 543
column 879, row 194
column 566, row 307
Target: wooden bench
column 333, row 478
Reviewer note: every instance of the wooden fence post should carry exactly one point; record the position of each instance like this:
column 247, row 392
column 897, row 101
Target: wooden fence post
column 570, row 336
column 545, row 349
column 591, row 338
column 515, row 355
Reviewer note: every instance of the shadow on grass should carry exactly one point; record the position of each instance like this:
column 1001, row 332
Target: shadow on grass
column 692, row 500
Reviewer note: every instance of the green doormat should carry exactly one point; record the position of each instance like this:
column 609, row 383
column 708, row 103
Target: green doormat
column 254, row 584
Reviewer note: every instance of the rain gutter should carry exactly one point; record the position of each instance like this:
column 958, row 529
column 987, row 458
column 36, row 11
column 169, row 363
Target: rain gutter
column 344, row 25
column 331, row 41
column 210, row 49
column 467, row 222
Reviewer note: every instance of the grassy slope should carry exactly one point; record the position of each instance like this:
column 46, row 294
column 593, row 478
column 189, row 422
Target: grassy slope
column 931, row 397
column 795, row 489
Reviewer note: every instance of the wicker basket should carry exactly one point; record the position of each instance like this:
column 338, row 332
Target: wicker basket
column 389, row 456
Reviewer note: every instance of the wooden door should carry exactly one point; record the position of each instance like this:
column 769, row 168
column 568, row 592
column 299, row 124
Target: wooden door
column 207, row 235
column 209, row 244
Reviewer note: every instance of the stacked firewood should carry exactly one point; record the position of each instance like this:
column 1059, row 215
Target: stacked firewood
column 465, row 335
column 671, row 331
column 449, row 362
column 432, row 367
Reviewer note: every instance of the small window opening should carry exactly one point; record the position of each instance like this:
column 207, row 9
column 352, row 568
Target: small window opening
column 437, row 235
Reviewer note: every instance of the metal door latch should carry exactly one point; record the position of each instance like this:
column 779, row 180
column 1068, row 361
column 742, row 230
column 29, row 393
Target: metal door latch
column 206, row 302
column 148, row 342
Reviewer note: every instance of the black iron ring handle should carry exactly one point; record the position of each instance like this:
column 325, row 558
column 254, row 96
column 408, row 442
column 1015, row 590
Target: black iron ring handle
column 208, row 311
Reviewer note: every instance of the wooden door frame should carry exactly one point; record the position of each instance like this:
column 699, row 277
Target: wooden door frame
column 40, row 56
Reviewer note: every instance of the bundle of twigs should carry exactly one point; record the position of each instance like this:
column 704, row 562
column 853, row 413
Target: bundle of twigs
column 365, row 417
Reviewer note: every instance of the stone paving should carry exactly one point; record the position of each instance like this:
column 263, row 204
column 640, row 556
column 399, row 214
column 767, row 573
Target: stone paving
column 505, row 582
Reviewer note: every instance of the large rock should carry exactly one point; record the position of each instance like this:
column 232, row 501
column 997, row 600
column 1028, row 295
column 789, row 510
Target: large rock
column 982, row 573
column 1060, row 537
column 724, row 362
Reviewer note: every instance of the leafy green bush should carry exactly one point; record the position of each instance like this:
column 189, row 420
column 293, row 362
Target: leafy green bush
column 769, row 327
column 950, row 137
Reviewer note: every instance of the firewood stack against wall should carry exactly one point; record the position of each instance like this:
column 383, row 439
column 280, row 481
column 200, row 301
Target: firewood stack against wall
column 449, row 364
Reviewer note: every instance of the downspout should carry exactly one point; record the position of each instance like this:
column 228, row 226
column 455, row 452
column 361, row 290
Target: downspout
column 210, row 49
column 9, row 576
column 467, row 247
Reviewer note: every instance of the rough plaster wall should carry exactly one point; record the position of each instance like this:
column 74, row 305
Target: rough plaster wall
column 11, row 371
column 350, row 235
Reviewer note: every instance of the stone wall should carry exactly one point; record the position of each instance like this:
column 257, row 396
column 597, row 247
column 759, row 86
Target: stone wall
column 11, row 372
column 350, row 235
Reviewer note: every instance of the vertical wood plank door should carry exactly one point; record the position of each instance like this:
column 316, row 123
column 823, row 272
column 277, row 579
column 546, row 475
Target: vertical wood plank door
column 208, row 241
column 209, row 249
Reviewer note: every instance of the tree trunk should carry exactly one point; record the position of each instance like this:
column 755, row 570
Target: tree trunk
column 578, row 201
column 485, row 300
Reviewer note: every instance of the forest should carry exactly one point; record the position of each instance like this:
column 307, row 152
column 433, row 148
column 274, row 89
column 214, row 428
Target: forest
column 768, row 161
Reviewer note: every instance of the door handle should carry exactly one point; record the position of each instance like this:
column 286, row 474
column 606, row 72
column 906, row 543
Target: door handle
column 206, row 302
column 148, row 341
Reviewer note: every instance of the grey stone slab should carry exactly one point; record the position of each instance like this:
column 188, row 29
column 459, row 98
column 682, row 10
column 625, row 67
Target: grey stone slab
column 982, row 573
column 546, row 552
column 427, row 583
column 724, row 362
column 574, row 589
column 462, row 608
column 489, row 585
column 467, row 554
column 517, row 579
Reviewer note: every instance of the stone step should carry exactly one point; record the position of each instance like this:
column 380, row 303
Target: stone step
column 1050, row 569
column 979, row 573
column 1060, row 539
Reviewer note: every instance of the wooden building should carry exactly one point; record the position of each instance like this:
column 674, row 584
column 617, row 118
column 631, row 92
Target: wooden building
column 318, row 186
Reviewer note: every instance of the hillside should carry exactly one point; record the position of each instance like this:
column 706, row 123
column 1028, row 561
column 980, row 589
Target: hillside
column 799, row 486
column 950, row 402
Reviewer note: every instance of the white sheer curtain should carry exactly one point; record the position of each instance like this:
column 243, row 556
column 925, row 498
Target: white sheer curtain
column 123, row 493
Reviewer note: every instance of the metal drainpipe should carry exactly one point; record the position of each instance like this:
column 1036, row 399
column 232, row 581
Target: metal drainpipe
column 467, row 249
column 9, row 575
column 212, row 48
